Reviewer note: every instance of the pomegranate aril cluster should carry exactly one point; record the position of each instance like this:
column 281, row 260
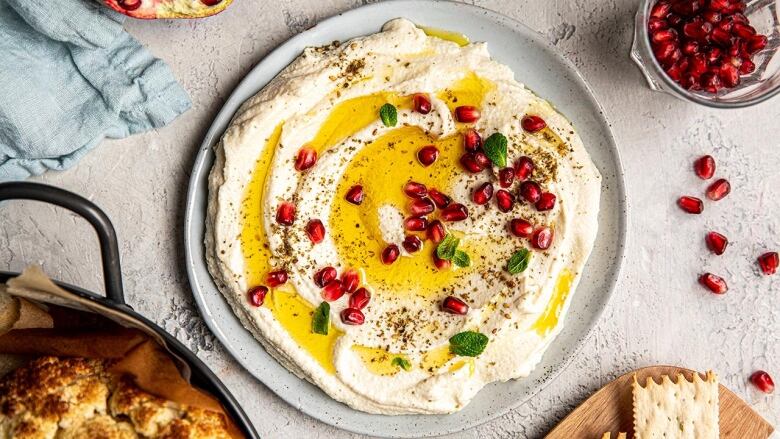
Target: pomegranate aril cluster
column 334, row 288
column 704, row 44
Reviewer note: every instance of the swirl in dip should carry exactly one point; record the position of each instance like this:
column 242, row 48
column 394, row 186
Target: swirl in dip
column 473, row 293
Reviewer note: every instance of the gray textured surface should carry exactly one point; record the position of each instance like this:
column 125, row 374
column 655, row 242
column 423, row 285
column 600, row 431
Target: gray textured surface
column 658, row 314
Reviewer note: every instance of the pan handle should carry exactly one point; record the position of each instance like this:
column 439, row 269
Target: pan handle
column 109, row 248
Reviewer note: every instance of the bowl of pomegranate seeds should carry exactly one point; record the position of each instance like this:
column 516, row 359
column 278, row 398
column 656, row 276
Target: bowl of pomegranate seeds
column 719, row 53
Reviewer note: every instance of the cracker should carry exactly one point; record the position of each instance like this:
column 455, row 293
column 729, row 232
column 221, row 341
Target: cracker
column 682, row 410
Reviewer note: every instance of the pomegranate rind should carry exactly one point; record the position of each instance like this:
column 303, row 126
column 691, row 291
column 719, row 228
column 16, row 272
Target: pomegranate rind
column 165, row 9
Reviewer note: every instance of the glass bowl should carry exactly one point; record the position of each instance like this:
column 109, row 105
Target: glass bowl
column 756, row 87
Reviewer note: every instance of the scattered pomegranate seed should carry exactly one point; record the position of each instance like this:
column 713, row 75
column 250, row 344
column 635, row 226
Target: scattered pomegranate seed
column 524, row 166
column 505, row 200
column 415, row 224
column 454, row 305
column 439, row 198
column 729, row 75
column 506, row 177
column 467, row 114
column 530, row 191
column 130, row 5
column 422, row 104
column 769, row 262
column 441, row 264
column 412, row 244
column 718, row 190
column 276, row 278
column 427, row 155
column 211, row 2
column 704, row 167
column 482, row 159
column 359, row 299
column 285, row 214
column 307, row 157
column 454, row 212
column 257, row 295
column 542, row 238
column 716, row 242
column 714, row 283
column 469, row 161
column 350, row 280
column 324, row 276
column 521, row 228
column 533, row 124
column 483, row 193
column 352, row 316
column 415, row 190
column 332, row 291
column 690, row 204
column 315, row 230
column 355, row 195
column 757, row 43
column 390, row 254
column 436, row 232
column 421, row 207
column 747, row 67
column 546, row 202
column 472, row 141
column 763, row 381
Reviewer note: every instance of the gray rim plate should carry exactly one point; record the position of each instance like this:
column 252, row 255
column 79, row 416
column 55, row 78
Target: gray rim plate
column 537, row 64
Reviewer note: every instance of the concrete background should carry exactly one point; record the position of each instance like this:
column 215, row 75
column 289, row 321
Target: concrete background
column 659, row 315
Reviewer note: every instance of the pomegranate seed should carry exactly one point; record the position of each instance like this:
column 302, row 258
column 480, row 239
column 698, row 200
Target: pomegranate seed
column 690, row 48
column 482, row 159
column 664, row 35
column 698, row 64
column 412, row 244
column 729, row 74
column 714, row 283
column 661, row 9
column 704, row 167
column 663, row 51
column 713, row 55
column 697, row 30
column 690, row 204
column 332, row 291
column 546, row 202
column 524, row 166
column 656, row 24
column 530, row 191
column 769, row 262
column 505, row 200
column 747, row 67
column 211, row 2
column 483, row 193
column 436, row 232
column 352, row 316
column 690, row 82
column 324, row 276
column 454, row 305
column 521, row 228
column 763, row 381
column 467, row 114
column 350, row 280
column 472, row 141
column 285, row 214
column 711, row 82
column 757, row 43
column 711, row 16
column 130, row 5
column 421, row 206
column 427, row 155
column 718, row 5
column 506, row 177
column 674, row 20
column 257, row 295
column 415, row 224
column 718, row 190
column 542, row 238
column 415, row 190
column 390, row 254
column 533, row 124
column 721, row 36
column 686, row 8
column 739, row 18
column 422, row 104
column 470, row 163
column 355, row 195
column 439, row 198
column 454, row 212
column 307, row 157
column 743, row 30
column 276, row 278
column 359, row 299
column 441, row 264
column 716, row 242
column 315, row 230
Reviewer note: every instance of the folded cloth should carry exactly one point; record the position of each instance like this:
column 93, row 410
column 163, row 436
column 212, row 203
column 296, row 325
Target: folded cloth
column 70, row 75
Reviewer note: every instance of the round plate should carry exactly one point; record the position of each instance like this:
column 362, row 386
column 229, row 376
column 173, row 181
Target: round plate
column 535, row 63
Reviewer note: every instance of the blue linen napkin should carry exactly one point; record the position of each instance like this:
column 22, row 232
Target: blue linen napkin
column 69, row 76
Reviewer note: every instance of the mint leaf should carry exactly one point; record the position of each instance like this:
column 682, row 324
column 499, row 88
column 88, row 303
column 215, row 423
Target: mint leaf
column 403, row 363
column 389, row 115
column 468, row 344
column 495, row 149
column 320, row 321
column 447, row 247
column 519, row 261
column 461, row 258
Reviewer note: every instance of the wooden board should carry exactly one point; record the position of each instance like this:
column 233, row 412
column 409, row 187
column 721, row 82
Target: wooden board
column 610, row 409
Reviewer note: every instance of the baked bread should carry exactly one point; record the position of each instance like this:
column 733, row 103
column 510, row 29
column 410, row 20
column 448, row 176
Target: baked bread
column 54, row 397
